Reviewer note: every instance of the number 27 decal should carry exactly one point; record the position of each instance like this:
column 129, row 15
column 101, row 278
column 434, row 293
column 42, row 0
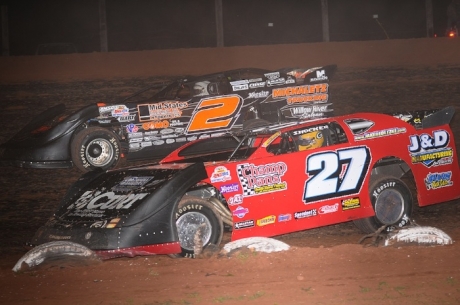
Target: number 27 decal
column 334, row 174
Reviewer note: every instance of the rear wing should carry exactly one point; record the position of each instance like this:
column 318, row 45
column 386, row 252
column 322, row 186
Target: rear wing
column 426, row 118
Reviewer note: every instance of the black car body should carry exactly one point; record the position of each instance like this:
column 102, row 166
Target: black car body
column 152, row 122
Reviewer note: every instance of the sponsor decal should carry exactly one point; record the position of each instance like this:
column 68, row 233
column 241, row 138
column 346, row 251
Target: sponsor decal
column 158, row 142
column 174, row 123
column 104, row 121
column 284, row 217
column 229, row 188
column 380, row 133
column 146, row 144
column 169, row 141
column 132, row 128
column 431, row 150
column 234, row 200
column 155, row 125
column 244, row 224
column 260, row 94
column 151, row 138
column 302, row 111
column 121, row 110
column 255, row 80
column 438, row 180
column 114, row 110
column 134, row 145
column 127, row 118
column 272, row 75
column 320, row 76
column 181, row 140
column 220, row 174
column 166, row 131
column 257, row 85
column 240, row 212
column 305, row 214
column 351, row 203
column 261, row 179
column 266, row 220
column 179, row 130
column 160, row 111
column 278, row 81
column 307, row 98
column 135, row 135
column 204, row 136
column 326, row 209
column 310, row 129
column 135, row 140
column 91, row 200
column 151, row 133
column 240, row 87
column 239, row 82
column 300, row 90
column 192, row 138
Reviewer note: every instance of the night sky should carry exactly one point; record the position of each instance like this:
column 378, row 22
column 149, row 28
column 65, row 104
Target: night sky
column 162, row 24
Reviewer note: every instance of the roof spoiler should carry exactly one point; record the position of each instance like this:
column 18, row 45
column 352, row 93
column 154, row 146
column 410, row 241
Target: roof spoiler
column 441, row 117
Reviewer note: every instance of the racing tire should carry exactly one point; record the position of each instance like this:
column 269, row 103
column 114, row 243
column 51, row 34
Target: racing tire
column 392, row 202
column 254, row 123
column 94, row 148
column 193, row 214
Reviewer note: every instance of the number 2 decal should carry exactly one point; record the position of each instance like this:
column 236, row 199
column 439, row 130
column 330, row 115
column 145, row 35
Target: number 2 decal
column 215, row 114
column 334, row 174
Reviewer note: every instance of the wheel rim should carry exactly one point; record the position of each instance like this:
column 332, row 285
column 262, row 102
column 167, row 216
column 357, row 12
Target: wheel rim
column 389, row 207
column 188, row 224
column 99, row 152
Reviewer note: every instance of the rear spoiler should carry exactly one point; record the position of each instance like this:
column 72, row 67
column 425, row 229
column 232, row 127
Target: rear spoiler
column 426, row 118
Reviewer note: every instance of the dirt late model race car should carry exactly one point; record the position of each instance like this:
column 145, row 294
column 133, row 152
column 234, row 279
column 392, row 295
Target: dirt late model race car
column 263, row 183
column 153, row 122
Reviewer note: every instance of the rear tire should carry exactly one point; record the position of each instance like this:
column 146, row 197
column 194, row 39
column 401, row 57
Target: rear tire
column 94, row 148
column 392, row 202
column 193, row 214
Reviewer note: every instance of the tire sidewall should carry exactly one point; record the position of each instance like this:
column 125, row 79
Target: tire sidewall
column 200, row 206
column 396, row 185
column 90, row 135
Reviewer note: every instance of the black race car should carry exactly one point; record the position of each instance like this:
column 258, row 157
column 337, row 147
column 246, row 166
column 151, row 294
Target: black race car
column 153, row 122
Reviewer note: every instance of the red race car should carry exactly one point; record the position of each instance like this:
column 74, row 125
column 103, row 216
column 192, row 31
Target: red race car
column 265, row 182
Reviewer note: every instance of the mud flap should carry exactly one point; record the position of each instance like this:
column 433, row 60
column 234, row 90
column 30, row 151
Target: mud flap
column 55, row 250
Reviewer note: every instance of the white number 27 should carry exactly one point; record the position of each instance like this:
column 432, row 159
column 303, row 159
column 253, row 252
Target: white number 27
column 334, row 174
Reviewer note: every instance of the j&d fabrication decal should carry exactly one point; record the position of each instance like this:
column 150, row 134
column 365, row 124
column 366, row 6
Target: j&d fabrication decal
column 431, row 150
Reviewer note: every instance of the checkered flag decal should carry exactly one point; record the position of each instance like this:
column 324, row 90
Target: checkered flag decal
column 247, row 191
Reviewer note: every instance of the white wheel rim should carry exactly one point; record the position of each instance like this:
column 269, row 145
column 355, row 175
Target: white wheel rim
column 99, row 152
column 187, row 226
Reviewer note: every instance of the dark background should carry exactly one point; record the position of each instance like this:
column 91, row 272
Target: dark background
column 162, row 24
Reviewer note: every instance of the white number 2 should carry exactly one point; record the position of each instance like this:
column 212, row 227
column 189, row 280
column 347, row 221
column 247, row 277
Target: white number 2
column 334, row 174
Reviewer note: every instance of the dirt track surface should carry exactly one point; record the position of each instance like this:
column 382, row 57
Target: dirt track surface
column 323, row 266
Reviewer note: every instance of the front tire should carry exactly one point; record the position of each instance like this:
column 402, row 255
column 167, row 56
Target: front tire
column 392, row 202
column 94, row 148
column 196, row 214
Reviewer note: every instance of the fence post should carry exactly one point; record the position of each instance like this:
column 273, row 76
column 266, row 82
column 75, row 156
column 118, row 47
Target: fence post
column 325, row 20
column 5, row 36
column 103, row 26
